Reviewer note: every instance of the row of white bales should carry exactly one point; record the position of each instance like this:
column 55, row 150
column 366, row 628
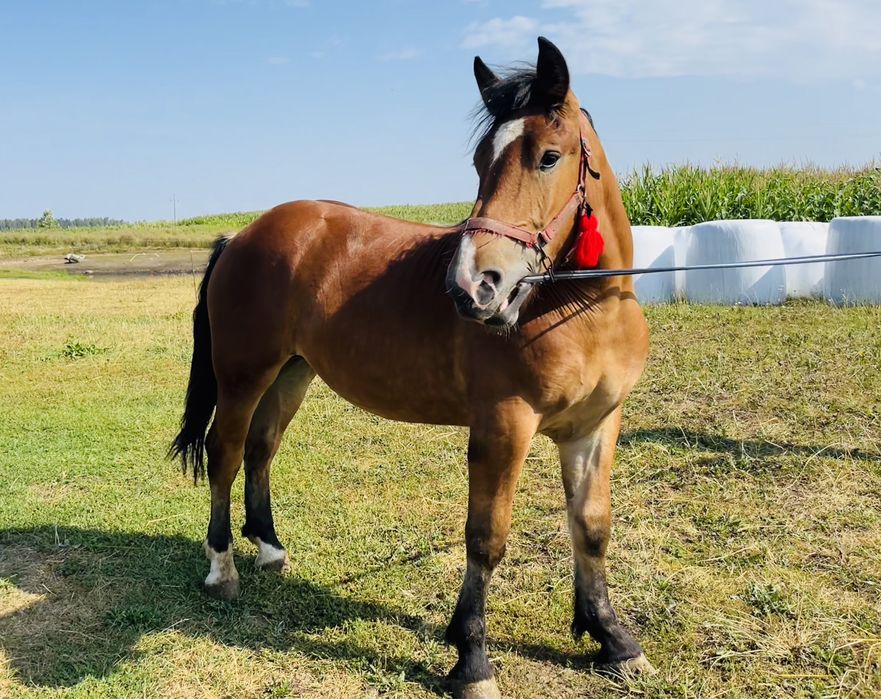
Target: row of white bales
column 843, row 282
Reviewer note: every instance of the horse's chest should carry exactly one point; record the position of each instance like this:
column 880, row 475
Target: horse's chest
column 580, row 417
column 578, row 388
column 578, row 395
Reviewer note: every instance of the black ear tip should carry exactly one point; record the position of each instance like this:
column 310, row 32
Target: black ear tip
column 483, row 73
column 545, row 44
column 552, row 74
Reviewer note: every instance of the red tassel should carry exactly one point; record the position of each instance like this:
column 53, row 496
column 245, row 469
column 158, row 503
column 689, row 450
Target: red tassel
column 590, row 244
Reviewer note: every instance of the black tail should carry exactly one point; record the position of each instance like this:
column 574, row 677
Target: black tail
column 189, row 445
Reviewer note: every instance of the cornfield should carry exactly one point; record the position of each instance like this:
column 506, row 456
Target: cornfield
column 685, row 195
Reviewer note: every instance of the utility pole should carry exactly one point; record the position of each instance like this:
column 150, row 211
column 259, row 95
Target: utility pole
column 174, row 207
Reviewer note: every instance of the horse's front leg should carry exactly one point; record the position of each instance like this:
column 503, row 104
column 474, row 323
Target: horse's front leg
column 586, row 465
column 497, row 449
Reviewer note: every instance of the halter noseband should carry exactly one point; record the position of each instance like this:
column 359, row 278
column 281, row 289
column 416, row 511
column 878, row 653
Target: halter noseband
column 576, row 204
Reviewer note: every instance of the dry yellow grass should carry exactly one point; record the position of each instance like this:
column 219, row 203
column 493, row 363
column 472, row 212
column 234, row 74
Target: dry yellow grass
column 746, row 551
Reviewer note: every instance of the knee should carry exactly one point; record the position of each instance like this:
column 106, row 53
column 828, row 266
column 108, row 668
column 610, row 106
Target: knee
column 213, row 450
column 590, row 532
column 485, row 550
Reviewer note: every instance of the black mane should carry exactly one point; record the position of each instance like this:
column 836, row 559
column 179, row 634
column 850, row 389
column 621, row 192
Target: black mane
column 511, row 93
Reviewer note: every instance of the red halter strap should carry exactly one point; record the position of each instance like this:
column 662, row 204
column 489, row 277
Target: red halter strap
column 576, row 203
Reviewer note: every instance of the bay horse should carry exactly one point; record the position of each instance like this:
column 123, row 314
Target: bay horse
column 432, row 324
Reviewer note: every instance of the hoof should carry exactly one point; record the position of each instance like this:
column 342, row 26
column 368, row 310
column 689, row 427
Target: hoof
column 270, row 557
column 484, row 689
column 228, row 590
column 282, row 566
column 629, row 667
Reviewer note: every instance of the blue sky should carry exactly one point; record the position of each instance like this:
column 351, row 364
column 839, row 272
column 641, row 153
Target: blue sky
column 112, row 107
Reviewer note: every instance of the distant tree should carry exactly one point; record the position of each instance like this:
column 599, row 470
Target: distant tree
column 47, row 220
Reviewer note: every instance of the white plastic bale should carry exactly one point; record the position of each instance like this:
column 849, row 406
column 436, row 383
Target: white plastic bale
column 804, row 238
column 735, row 241
column 854, row 281
column 657, row 246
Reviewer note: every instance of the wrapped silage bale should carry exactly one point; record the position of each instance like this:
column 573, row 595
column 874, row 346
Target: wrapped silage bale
column 854, row 281
column 735, row 241
column 657, row 246
column 802, row 238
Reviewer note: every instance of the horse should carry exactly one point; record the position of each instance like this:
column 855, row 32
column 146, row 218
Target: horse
column 434, row 324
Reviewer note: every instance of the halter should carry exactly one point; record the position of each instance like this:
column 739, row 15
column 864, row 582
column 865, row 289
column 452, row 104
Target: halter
column 576, row 204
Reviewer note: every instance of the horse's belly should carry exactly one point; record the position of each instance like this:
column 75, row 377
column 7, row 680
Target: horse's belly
column 416, row 403
column 407, row 386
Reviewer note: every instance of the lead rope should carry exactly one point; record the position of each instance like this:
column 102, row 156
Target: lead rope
column 551, row 276
column 576, row 274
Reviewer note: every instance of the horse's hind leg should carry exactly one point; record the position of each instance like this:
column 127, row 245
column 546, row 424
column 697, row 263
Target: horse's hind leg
column 586, row 465
column 225, row 445
column 276, row 410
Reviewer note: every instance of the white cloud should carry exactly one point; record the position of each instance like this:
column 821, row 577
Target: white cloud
column 789, row 39
column 499, row 32
column 278, row 60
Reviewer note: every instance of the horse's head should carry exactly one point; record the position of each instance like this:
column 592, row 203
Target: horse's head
column 530, row 163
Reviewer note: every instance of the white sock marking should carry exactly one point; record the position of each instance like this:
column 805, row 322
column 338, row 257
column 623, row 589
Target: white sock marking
column 222, row 566
column 268, row 552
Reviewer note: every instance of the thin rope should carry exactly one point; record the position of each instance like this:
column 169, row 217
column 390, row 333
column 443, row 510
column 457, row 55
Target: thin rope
column 574, row 274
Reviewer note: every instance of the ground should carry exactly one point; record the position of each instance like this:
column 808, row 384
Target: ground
column 746, row 549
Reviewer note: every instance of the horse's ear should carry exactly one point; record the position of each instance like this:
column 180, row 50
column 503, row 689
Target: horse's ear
column 485, row 77
column 552, row 75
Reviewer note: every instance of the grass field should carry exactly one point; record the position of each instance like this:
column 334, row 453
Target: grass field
column 198, row 232
column 746, row 550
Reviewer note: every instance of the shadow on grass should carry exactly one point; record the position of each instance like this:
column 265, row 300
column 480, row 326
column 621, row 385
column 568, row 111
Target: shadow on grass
column 750, row 448
column 80, row 599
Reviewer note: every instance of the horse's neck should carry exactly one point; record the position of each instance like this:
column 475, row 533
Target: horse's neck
column 604, row 195
column 619, row 238
column 580, row 301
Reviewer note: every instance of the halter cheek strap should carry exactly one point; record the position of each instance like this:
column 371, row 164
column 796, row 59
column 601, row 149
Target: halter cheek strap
column 576, row 204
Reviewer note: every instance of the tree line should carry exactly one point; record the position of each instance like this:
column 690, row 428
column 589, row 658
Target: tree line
column 48, row 220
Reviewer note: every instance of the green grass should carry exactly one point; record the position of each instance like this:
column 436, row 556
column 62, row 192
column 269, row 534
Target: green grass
column 675, row 196
column 746, row 549
column 7, row 274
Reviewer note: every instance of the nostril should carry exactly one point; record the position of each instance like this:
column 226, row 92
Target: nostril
column 492, row 277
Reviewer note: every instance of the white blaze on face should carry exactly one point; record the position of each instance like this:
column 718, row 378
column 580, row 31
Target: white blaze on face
column 505, row 135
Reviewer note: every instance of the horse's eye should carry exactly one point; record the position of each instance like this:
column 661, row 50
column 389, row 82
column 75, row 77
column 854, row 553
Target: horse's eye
column 548, row 160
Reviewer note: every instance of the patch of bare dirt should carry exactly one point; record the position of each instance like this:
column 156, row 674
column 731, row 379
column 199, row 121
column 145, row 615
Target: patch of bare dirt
column 144, row 263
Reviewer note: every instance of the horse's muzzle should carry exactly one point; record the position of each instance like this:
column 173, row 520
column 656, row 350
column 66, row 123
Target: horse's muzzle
column 490, row 292
column 504, row 314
